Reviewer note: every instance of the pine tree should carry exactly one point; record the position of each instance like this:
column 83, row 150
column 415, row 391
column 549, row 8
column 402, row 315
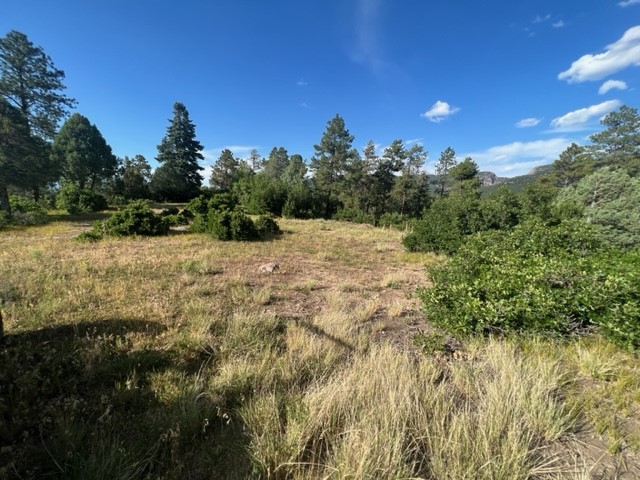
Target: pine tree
column 30, row 82
column 14, row 147
column 225, row 171
column 178, row 177
column 446, row 161
column 330, row 161
column 277, row 163
column 83, row 155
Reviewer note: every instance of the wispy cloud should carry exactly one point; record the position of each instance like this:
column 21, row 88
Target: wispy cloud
column 528, row 122
column 610, row 85
column 304, row 105
column 541, row 18
column 628, row 3
column 617, row 56
column 559, row 24
column 302, row 83
column 240, row 151
column 367, row 50
column 579, row 119
column 518, row 158
column 439, row 111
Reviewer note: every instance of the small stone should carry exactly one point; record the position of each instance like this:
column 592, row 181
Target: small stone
column 268, row 268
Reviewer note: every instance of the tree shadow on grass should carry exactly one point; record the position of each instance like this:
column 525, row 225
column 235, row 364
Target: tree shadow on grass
column 94, row 400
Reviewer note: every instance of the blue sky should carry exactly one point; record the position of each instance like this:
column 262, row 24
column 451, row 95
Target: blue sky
column 510, row 83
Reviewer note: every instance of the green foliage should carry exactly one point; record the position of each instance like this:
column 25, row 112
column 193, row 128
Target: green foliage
column 443, row 227
column 267, row 226
column 136, row 218
column 276, row 164
column 395, row 220
column 445, row 163
column 300, row 203
column 82, row 153
column 225, row 171
column 261, row 194
column 76, row 200
column 354, row 215
column 619, row 144
column 536, row 278
column 4, row 219
column 29, row 79
column 329, row 164
column 231, row 225
column 26, row 211
column 609, row 200
column 178, row 177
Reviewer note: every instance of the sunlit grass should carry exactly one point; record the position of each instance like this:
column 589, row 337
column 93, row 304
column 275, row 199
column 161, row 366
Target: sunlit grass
column 176, row 357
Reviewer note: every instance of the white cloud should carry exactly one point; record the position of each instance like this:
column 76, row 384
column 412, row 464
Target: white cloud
column 619, row 55
column 541, row 19
column 558, row 24
column 518, row 158
column 610, row 85
column 626, row 3
column 367, row 49
column 240, row 151
column 302, row 83
column 528, row 122
column 304, row 105
column 439, row 111
column 578, row 119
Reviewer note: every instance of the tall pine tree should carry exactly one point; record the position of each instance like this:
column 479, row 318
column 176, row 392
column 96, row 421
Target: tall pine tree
column 178, row 176
column 30, row 82
column 329, row 164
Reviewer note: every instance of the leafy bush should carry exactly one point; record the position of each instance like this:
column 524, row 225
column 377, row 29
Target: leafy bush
column 552, row 280
column 137, row 218
column 354, row 215
column 25, row 211
column 75, row 200
column 443, row 228
column 173, row 216
column 231, row 225
column 267, row 226
column 4, row 219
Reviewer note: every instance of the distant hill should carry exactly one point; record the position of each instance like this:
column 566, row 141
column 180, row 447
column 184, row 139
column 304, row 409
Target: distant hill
column 515, row 183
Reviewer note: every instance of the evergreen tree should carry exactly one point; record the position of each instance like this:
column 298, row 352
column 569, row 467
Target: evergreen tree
column 465, row 175
column 296, row 170
column 225, row 171
column 277, row 163
column 411, row 188
column 30, row 82
column 446, row 161
column 330, row 161
column 82, row 153
column 14, row 147
column 255, row 160
column 178, row 176
column 135, row 176
column 572, row 165
column 383, row 176
column 619, row 144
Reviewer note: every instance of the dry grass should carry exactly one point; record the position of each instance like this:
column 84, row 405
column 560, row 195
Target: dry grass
column 176, row 358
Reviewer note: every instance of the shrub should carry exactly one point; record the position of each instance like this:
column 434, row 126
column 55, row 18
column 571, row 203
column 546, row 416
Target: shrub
column 551, row 280
column 25, row 211
column 4, row 219
column 267, row 226
column 137, row 218
column 354, row 215
column 394, row 219
column 173, row 216
column 75, row 200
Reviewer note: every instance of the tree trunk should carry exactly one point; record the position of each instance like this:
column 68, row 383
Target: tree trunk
column 5, row 206
column 36, row 194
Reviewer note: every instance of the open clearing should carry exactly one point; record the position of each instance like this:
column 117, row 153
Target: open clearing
column 176, row 357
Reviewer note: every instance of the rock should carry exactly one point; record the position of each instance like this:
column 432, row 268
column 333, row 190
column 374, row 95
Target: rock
column 268, row 268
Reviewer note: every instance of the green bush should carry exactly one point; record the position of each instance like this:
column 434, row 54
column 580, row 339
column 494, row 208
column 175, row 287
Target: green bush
column 25, row 211
column 354, row 215
column 551, row 280
column 267, row 227
column 76, row 200
column 136, row 218
column 397, row 220
column 4, row 219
